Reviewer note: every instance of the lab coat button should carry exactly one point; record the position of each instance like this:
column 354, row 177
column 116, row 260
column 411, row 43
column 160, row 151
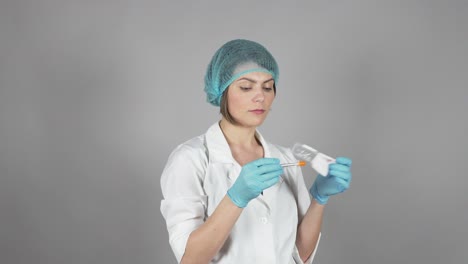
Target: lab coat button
column 264, row 220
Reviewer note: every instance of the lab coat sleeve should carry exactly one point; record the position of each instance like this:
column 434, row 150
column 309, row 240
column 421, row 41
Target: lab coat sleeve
column 303, row 203
column 184, row 202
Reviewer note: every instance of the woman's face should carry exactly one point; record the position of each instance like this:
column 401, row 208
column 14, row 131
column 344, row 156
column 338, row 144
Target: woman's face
column 250, row 98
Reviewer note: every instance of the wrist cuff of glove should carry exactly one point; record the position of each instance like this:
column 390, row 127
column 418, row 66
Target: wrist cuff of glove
column 320, row 199
column 237, row 202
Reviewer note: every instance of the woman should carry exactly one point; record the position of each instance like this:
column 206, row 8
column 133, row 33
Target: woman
column 227, row 199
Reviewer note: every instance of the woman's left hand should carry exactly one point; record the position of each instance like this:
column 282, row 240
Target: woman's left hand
column 337, row 180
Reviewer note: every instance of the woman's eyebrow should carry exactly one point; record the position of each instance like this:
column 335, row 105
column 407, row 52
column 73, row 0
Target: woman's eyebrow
column 251, row 80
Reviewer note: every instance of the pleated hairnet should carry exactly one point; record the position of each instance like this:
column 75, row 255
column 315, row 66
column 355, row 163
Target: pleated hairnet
column 234, row 59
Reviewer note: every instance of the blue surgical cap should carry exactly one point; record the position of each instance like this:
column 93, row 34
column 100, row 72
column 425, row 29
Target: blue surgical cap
column 234, row 59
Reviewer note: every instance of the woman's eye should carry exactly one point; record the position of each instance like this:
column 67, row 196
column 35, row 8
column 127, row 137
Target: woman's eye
column 245, row 88
column 267, row 88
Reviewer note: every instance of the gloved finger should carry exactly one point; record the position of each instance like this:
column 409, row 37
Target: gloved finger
column 270, row 182
column 346, row 176
column 338, row 167
column 270, row 175
column 263, row 161
column 341, row 185
column 344, row 161
column 269, row 168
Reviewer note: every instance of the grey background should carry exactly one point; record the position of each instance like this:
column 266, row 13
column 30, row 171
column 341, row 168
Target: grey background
column 95, row 94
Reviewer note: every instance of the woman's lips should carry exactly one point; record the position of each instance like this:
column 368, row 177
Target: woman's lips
column 257, row 111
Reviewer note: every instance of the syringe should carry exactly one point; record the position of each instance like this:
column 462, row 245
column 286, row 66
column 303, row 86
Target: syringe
column 300, row 163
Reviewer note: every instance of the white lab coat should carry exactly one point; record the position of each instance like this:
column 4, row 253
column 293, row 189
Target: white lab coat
column 196, row 178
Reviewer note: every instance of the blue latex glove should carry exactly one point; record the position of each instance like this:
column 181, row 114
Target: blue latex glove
column 254, row 177
column 337, row 181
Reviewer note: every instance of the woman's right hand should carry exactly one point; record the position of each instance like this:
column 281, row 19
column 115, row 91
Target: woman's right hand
column 254, row 177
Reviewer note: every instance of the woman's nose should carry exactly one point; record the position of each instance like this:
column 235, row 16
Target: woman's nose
column 259, row 97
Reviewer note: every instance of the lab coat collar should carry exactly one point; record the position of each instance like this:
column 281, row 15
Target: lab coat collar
column 218, row 148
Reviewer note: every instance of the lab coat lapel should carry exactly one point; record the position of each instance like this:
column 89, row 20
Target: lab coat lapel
column 218, row 148
column 269, row 194
column 219, row 152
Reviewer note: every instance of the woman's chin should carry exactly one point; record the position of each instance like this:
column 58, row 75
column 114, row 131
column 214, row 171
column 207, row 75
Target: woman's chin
column 252, row 123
